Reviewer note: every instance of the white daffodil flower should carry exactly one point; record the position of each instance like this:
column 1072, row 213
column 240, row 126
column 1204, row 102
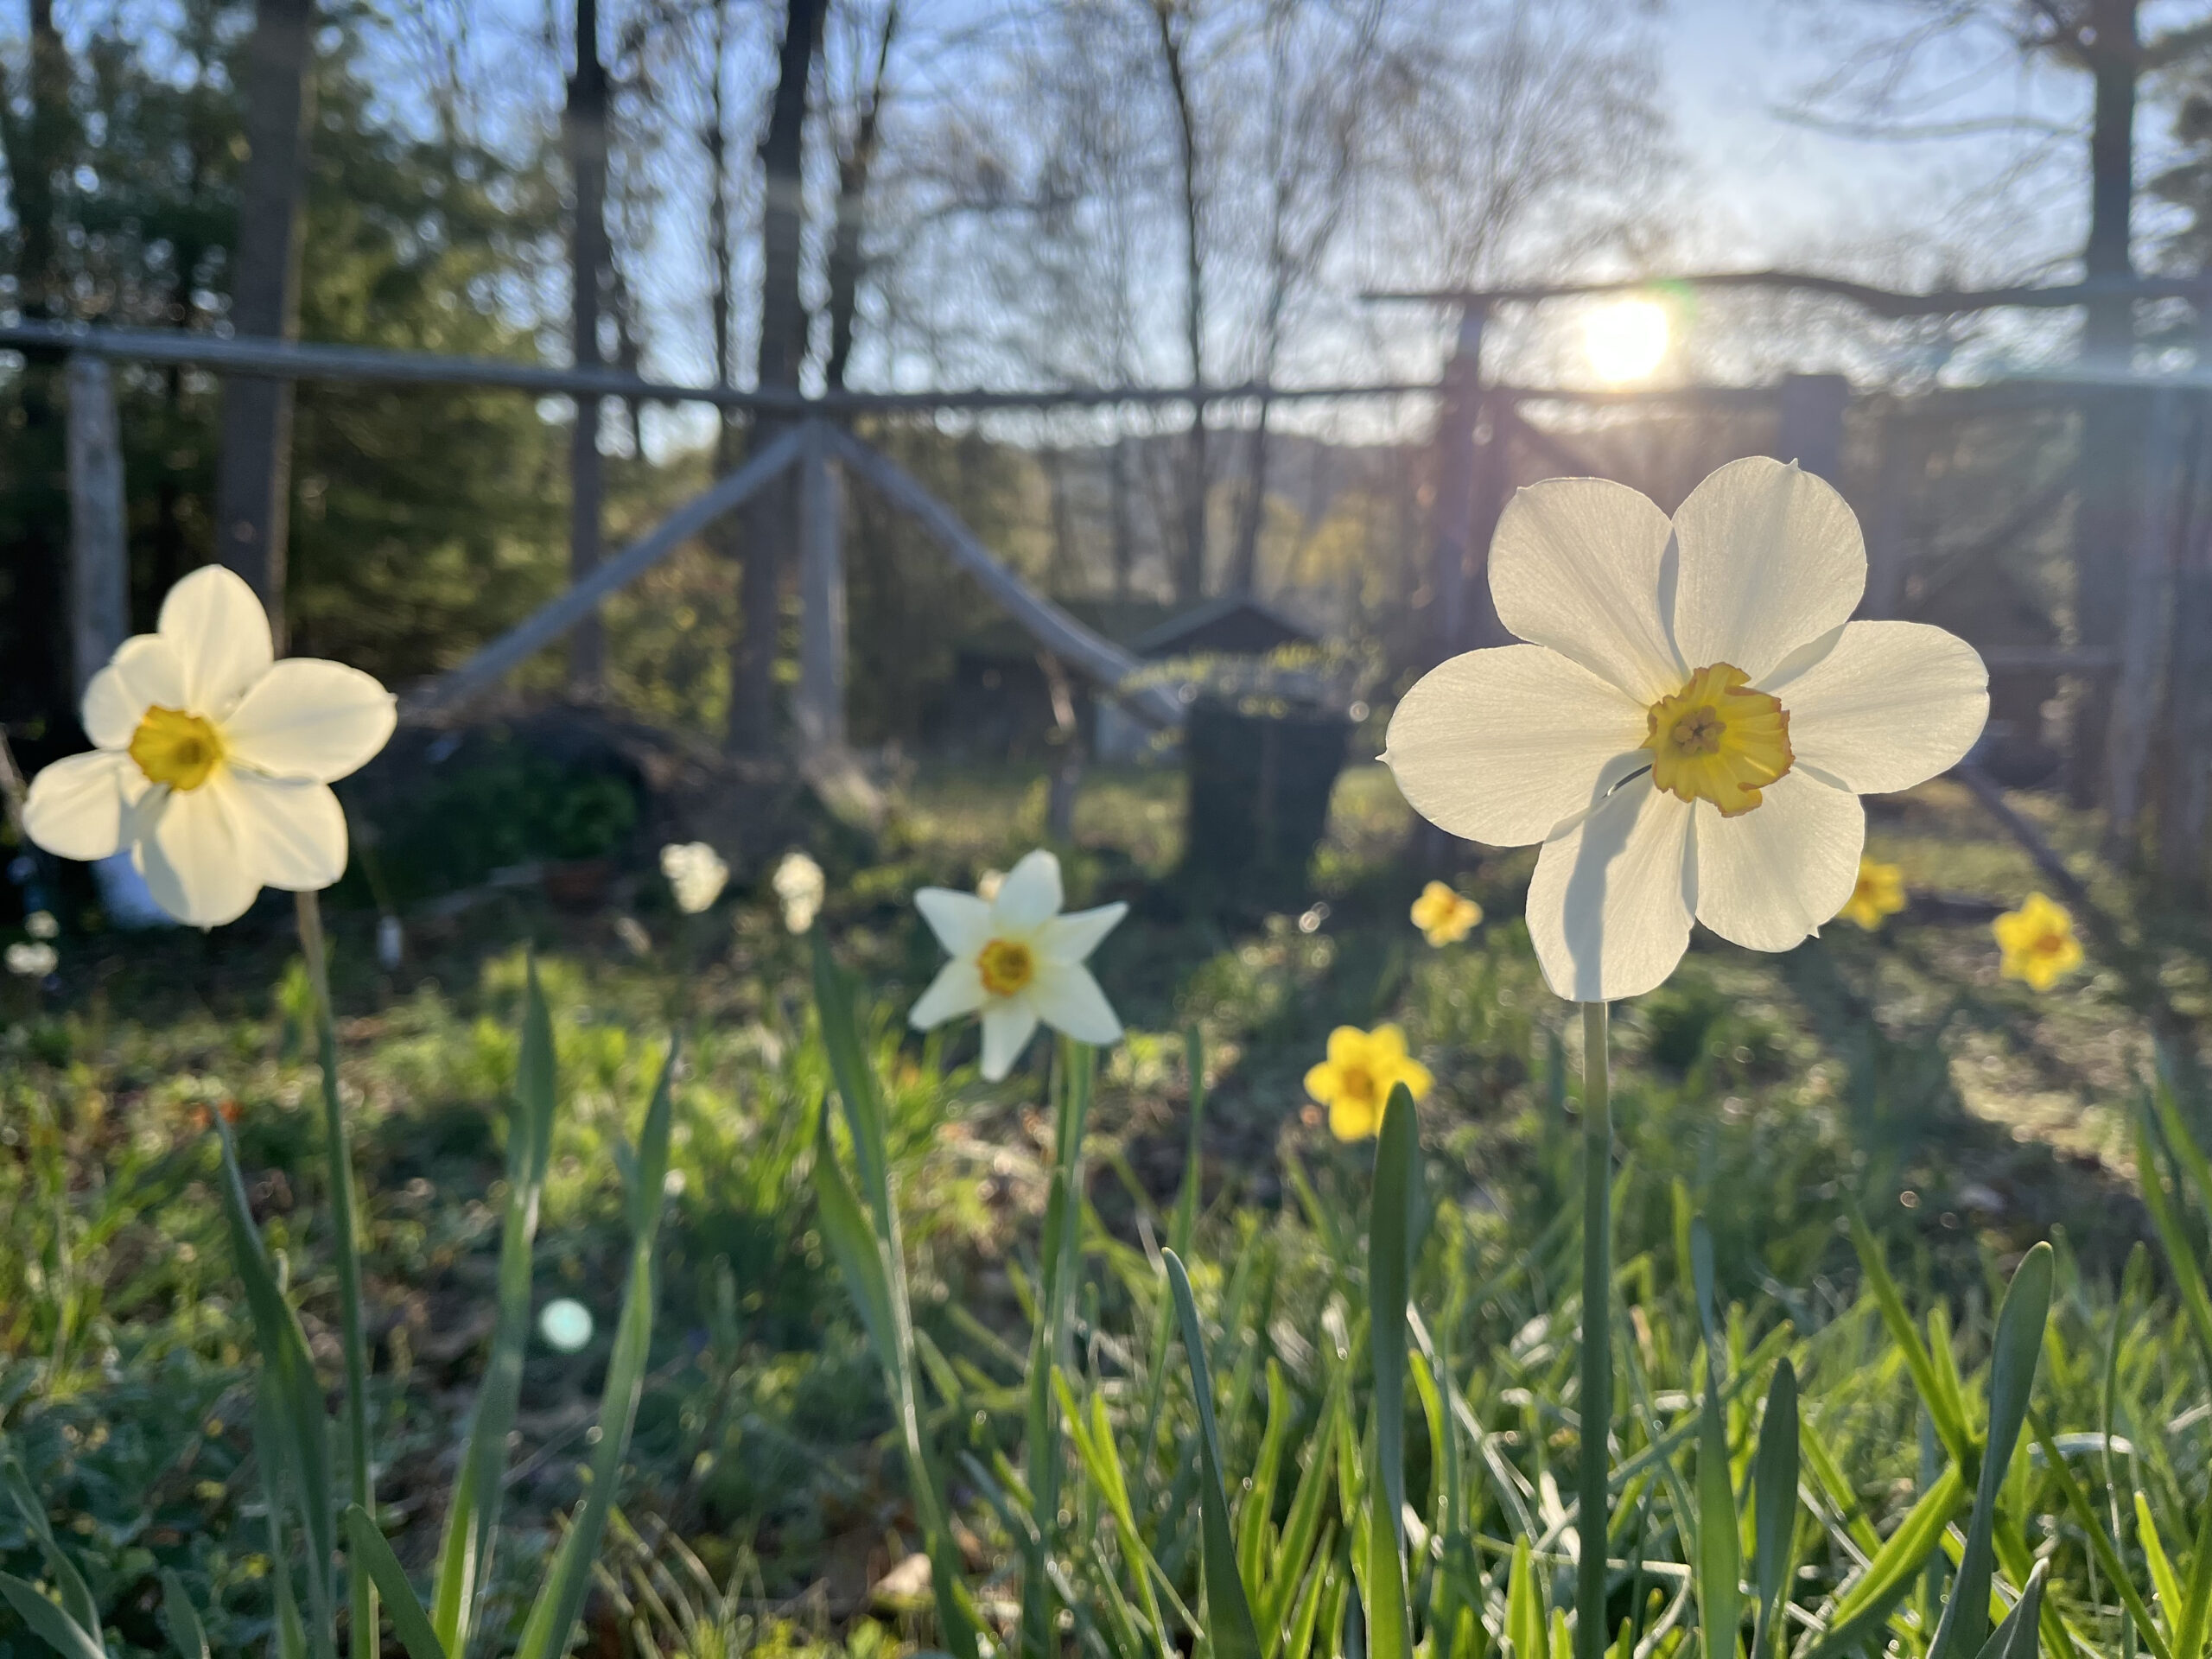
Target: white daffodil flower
column 213, row 760
column 800, row 888
column 696, row 873
column 1016, row 960
column 1691, row 724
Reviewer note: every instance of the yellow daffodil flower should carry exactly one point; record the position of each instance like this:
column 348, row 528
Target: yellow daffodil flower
column 212, row 761
column 1689, row 729
column 1879, row 892
column 1355, row 1081
column 1445, row 917
column 2038, row 941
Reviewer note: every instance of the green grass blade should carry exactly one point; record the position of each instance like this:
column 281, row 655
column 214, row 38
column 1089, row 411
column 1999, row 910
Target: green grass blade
column 2019, row 1344
column 49, row 1622
column 1230, row 1633
column 300, row 1426
column 867, row 1263
column 1861, row 1612
column 1301, row 1528
column 2181, row 1259
column 2016, row 1637
column 2189, row 1631
column 181, row 1619
column 561, row 1600
column 366, row 1545
column 1253, row 1526
column 1774, row 1487
column 1950, row 1426
column 2164, row 1579
column 855, row 1078
column 76, row 1597
column 2108, row 1556
column 1719, row 1564
column 472, row 1518
column 1390, row 1263
column 1524, row 1607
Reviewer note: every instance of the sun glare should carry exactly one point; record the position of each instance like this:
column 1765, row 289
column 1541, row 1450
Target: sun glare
column 1625, row 340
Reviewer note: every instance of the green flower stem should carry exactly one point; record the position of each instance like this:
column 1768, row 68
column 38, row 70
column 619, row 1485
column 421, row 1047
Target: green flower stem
column 1052, row 1344
column 1596, row 1402
column 362, row 1600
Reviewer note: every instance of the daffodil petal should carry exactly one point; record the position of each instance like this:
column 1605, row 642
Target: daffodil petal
column 291, row 829
column 1768, row 878
column 1353, row 1120
column 1770, row 558
column 75, row 807
column 1030, row 896
column 187, row 845
column 1577, row 564
column 1073, row 937
column 307, row 718
column 1503, row 745
column 1892, row 704
column 958, row 989
column 961, row 921
column 1609, row 911
column 144, row 670
column 220, row 634
column 1068, row 999
column 1347, row 1046
column 1008, row 1028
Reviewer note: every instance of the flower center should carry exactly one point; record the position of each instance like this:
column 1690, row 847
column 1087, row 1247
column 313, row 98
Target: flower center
column 175, row 748
column 1716, row 740
column 2047, row 944
column 1007, row 966
column 1356, row 1083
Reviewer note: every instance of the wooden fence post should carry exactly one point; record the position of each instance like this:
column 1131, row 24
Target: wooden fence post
column 2144, row 628
column 100, row 557
column 820, row 708
column 2185, row 806
column 1455, row 481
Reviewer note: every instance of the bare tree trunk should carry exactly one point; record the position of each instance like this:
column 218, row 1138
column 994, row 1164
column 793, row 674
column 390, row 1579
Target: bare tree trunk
column 584, row 132
column 782, row 350
column 1189, row 559
column 2112, row 420
column 724, row 539
column 254, row 475
column 40, row 149
column 847, row 253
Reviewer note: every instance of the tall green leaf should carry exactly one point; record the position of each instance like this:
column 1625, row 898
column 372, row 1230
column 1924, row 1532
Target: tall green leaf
column 300, row 1426
column 2015, row 1638
column 1230, row 1633
column 875, row 1275
column 49, row 1622
column 367, row 1546
column 472, row 1518
column 1950, row 1426
column 181, row 1619
column 1390, row 1261
column 76, row 1597
column 856, row 1080
column 2020, row 1322
column 1774, row 1487
column 561, row 1599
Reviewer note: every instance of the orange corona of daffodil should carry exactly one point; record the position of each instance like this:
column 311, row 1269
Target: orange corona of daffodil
column 1443, row 916
column 1879, row 892
column 2038, row 941
column 1356, row 1078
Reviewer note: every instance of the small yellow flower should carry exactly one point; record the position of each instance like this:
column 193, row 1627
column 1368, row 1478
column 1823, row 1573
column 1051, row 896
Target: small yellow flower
column 2039, row 943
column 1356, row 1078
column 1879, row 892
column 1444, row 916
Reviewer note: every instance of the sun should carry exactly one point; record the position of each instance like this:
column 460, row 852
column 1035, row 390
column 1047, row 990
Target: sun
column 1625, row 340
